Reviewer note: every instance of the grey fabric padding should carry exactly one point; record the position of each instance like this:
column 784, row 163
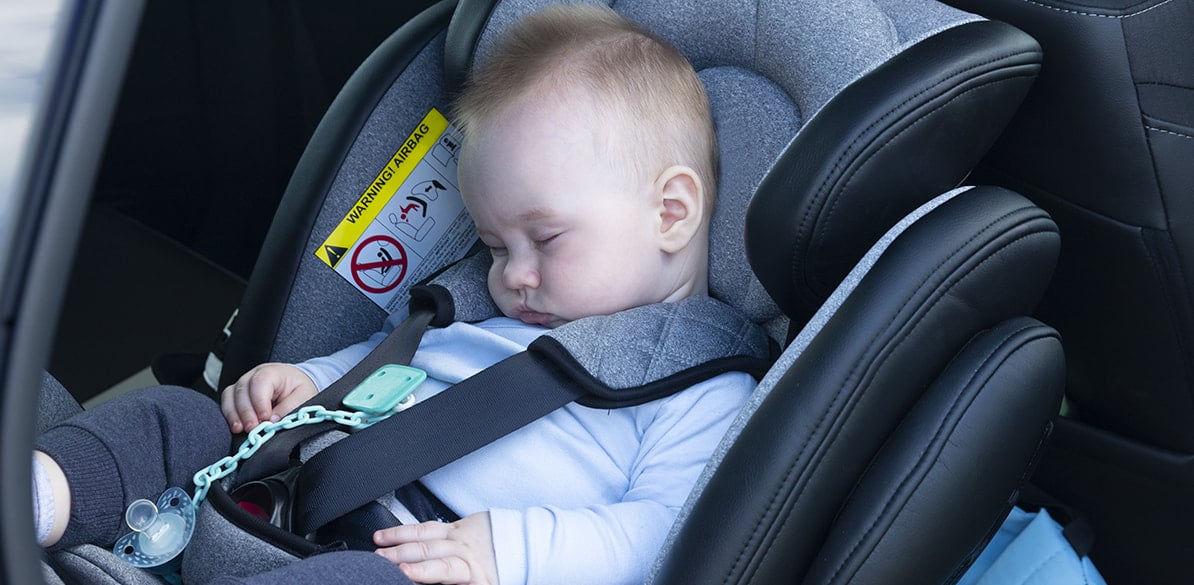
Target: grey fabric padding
column 748, row 151
column 311, row 447
column 220, row 548
column 355, row 566
column 795, row 349
column 324, row 312
column 656, row 341
column 95, row 565
column 49, row 576
column 810, row 48
column 466, row 281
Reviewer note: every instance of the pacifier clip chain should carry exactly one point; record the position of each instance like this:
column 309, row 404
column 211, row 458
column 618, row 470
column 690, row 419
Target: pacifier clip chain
column 161, row 530
column 307, row 415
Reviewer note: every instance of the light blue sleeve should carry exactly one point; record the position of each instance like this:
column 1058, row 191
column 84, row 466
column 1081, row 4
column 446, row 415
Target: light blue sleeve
column 617, row 543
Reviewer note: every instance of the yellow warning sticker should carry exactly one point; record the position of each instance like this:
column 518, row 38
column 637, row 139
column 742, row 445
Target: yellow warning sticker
column 383, row 187
column 409, row 222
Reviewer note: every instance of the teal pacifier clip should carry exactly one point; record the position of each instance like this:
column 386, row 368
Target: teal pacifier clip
column 161, row 531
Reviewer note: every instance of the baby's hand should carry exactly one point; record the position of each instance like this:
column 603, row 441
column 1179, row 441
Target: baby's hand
column 266, row 392
column 434, row 552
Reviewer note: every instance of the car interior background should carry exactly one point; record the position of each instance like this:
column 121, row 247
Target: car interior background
column 1105, row 143
column 200, row 153
column 218, row 103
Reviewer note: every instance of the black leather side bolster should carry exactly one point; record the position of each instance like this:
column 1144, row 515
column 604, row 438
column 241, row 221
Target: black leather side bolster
column 908, row 131
column 948, row 475
column 975, row 261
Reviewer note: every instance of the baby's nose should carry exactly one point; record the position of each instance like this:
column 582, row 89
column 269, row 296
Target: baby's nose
column 520, row 273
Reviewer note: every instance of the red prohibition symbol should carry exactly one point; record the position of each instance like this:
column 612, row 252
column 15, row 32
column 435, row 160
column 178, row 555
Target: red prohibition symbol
column 379, row 264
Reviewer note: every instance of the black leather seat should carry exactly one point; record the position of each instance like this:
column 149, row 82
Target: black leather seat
column 1105, row 143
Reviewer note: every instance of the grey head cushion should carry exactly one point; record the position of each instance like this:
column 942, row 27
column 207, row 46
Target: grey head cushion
column 768, row 67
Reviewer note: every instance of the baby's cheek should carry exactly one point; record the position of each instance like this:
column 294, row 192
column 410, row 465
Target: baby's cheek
column 495, row 280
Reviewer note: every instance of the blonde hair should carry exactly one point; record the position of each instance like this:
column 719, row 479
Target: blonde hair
column 643, row 87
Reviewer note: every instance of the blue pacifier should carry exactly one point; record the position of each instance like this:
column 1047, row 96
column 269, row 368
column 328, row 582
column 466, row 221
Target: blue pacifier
column 160, row 531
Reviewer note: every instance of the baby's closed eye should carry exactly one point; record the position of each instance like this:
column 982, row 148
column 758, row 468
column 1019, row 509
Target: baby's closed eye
column 545, row 241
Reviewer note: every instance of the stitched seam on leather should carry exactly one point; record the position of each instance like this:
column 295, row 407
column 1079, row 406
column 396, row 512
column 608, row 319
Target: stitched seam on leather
column 780, row 492
column 1165, row 84
column 1170, row 132
column 839, row 396
column 1168, row 294
column 1158, row 185
column 908, row 477
column 840, row 162
column 911, row 475
column 849, row 179
column 770, row 511
column 910, row 328
column 1153, row 254
column 1096, row 15
column 908, row 299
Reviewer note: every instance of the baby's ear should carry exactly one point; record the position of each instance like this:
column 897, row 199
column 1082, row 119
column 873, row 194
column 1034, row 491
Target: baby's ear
column 681, row 198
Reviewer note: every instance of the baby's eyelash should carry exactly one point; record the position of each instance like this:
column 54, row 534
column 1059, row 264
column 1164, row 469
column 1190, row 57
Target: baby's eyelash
column 545, row 241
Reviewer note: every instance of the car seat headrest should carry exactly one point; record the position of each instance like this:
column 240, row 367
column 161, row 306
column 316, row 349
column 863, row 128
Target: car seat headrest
column 768, row 68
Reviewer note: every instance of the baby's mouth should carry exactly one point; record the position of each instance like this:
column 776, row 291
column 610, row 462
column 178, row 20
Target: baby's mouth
column 526, row 315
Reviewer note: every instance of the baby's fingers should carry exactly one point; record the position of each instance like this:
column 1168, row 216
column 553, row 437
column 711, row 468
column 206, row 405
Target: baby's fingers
column 430, row 561
column 247, row 402
column 228, row 407
column 447, row 570
column 413, row 533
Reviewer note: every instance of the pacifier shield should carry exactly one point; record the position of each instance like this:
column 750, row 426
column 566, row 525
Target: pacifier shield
column 159, row 532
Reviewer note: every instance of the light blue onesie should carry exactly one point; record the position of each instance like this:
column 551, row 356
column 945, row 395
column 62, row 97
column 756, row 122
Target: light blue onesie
column 582, row 495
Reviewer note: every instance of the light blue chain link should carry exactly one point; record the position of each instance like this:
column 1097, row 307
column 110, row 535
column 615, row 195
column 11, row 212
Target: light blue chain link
column 307, row 415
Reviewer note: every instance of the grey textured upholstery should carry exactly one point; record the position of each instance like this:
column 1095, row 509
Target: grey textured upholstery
column 768, row 67
column 95, row 565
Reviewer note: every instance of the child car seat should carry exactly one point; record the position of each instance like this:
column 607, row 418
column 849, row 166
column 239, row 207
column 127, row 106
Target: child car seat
column 844, row 117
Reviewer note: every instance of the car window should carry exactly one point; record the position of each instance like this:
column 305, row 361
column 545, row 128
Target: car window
column 26, row 31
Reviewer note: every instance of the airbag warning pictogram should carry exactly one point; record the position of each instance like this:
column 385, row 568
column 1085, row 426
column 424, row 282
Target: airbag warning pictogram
column 408, row 222
column 379, row 264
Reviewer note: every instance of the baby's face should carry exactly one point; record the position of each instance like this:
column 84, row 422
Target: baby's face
column 571, row 235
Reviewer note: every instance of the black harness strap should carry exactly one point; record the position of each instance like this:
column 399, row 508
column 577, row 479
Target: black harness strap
column 465, row 417
column 415, row 442
column 471, row 414
column 397, row 348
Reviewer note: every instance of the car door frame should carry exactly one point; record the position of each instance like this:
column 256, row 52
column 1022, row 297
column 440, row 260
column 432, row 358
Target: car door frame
column 82, row 80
